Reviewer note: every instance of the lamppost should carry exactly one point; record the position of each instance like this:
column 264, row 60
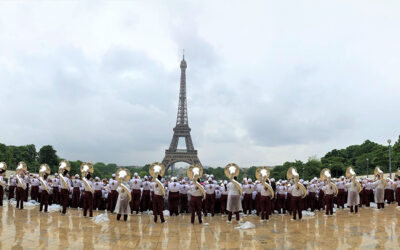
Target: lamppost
column 390, row 160
column 367, row 167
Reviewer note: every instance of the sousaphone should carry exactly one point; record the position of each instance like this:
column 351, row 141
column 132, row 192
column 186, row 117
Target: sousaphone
column 21, row 168
column 44, row 169
column 158, row 169
column 232, row 170
column 350, row 173
column 292, row 174
column 64, row 166
column 262, row 174
column 326, row 175
column 3, row 168
column 379, row 172
column 87, row 168
column 194, row 172
column 123, row 175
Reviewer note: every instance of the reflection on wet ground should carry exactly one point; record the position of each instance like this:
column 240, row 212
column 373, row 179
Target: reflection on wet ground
column 29, row 229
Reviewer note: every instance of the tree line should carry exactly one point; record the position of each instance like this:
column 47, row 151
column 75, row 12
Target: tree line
column 336, row 160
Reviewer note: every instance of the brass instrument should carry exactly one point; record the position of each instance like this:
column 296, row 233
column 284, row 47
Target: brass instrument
column 262, row 174
column 194, row 172
column 379, row 172
column 64, row 165
column 292, row 174
column 21, row 168
column 326, row 175
column 351, row 174
column 158, row 169
column 44, row 169
column 397, row 174
column 232, row 170
column 87, row 168
column 123, row 175
column 3, row 168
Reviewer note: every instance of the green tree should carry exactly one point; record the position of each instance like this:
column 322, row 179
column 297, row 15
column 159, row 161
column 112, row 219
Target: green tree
column 47, row 155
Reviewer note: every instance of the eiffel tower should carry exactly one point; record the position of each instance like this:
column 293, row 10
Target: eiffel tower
column 182, row 129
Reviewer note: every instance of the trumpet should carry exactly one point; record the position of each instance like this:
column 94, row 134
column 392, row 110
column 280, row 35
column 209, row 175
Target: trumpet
column 87, row 168
column 232, row 170
column 158, row 169
column 194, row 172
column 123, row 175
column 292, row 174
column 379, row 172
column 262, row 174
column 64, row 166
column 44, row 169
column 351, row 174
column 21, row 168
column 326, row 175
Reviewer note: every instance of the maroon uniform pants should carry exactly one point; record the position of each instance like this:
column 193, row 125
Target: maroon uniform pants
column 265, row 207
column 20, row 197
column 1, row 195
column 321, row 200
column 87, row 203
column 26, row 192
column 340, row 198
column 280, row 200
column 296, row 206
column 56, row 195
column 247, row 206
column 312, row 200
column 112, row 200
column 145, row 202
column 75, row 197
column 210, row 204
column 195, row 207
column 44, row 200
column 173, row 202
column 11, row 192
column 329, row 204
column 184, row 203
column 158, row 207
column 64, row 197
column 135, row 203
column 97, row 199
column 398, row 196
column 34, row 193
column 367, row 200
column 224, row 200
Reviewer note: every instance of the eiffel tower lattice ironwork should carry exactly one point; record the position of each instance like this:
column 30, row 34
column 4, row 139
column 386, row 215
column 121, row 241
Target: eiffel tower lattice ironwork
column 182, row 129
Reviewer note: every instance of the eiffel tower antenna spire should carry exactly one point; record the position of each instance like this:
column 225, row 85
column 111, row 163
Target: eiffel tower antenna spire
column 182, row 129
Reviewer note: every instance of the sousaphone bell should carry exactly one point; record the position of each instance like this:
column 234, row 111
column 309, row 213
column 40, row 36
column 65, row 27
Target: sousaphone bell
column 123, row 175
column 232, row 170
column 158, row 169
column 194, row 172
column 262, row 174
column 87, row 168
column 44, row 169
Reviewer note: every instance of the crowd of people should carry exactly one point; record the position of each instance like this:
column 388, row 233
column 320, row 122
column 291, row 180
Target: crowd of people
column 183, row 196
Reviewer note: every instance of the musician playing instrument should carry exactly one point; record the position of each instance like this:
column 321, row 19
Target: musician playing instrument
column 135, row 184
column 379, row 185
column 86, row 174
column 44, row 171
column 3, row 184
column 124, row 196
column 209, row 205
column 21, row 186
column 113, row 195
column 234, row 204
column 157, row 170
column 145, row 202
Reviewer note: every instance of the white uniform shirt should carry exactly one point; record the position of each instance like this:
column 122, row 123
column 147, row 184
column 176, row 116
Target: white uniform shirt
column 113, row 185
column 56, row 182
column 296, row 191
column 12, row 182
column 379, row 184
column 248, row 188
column 281, row 190
column 351, row 187
column 35, row 182
column 76, row 183
column 90, row 183
column 174, row 187
column 135, row 183
column 209, row 188
column 68, row 181
column 195, row 191
column 183, row 189
column 98, row 185
column 146, row 185
column 224, row 191
column 232, row 189
column 328, row 189
column 23, row 182
column 156, row 189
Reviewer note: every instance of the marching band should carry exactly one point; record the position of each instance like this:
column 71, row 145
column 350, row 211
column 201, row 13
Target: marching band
column 264, row 197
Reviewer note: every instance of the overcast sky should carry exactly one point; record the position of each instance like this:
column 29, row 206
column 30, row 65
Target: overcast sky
column 267, row 81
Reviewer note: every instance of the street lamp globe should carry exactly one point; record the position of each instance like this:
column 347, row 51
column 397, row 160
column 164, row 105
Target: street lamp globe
column 389, row 141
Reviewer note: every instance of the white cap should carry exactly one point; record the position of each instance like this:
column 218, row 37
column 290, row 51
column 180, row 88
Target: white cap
column 135, row 174
column 225, row 182
column 97, row 178
column 77, row 176
column 272, row 179
column 210, row 179
column 56, row 174
column 113, row 175
column 249, row 180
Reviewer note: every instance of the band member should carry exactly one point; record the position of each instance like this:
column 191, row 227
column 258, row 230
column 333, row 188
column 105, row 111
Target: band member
column 369, row 187
column 224, row 197
column 158, row 201
column 265, row 202
column 2, row 185
column 173, row 196
column 353, row 199
column 247, row 199
column 64, row 195
column 76, row 192
column 210, row 197
column 113, row 195
column 135, row 184
column 183, row 196
column 56, row 190
column 234, row 201
column 98, row 185
column 35, row 187
column 296, row 193
column 20, row 194
column 122, row 206
column 280, row 200
column 379, row 192
column 44, row 195
column 12, row 184
column 397, row 188
column 88, row 197
column 196, row 197
column 145, row 202
column 27, row 183
column 341, row 184
column 389, row 192
column 328, row 194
